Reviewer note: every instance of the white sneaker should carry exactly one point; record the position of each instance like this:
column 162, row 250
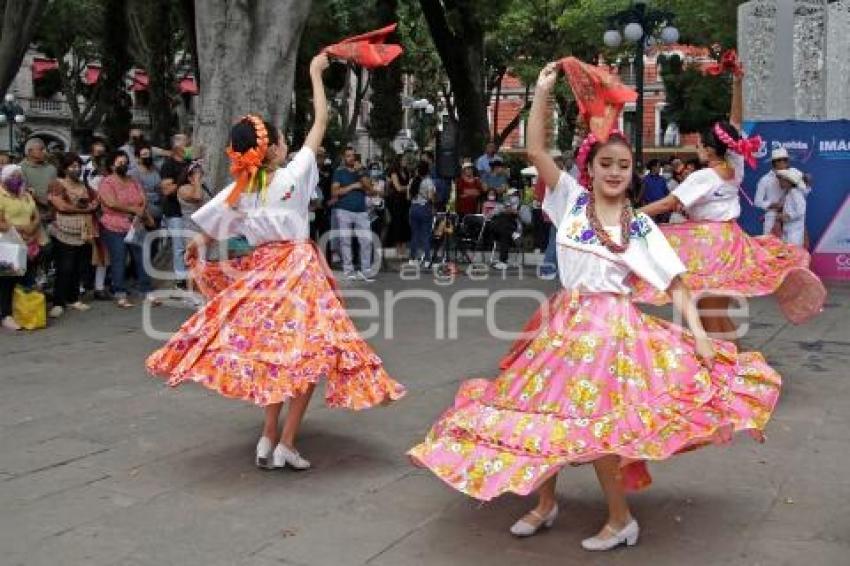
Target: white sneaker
column 413, row 262
column 80, row 306
column 55, row 312
column 524, row 528
column 10, row 323
column 500, row 265
column 628, row 535
column 350, row 275
column 284, row 456
column 360, row 276
column 264, row 452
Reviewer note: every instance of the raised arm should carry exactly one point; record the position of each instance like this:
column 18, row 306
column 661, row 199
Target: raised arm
column 537, row 121
column 320, row 103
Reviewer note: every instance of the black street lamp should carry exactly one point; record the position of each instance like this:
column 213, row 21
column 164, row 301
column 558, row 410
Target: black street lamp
column 10, row 114
column 643, row 27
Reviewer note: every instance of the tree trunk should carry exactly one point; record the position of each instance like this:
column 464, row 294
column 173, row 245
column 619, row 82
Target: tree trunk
column 462, row 55
column 20, row 18
column 153, row 47
column 362, row 79
column 246, row 56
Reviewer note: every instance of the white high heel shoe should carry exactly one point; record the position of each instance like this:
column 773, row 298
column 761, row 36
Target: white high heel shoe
column 264, row 452
column 628, row 535
column 523, row 528
column 284, row 456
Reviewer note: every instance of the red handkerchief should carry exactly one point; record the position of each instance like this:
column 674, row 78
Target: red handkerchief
column 600, row 95
column 367, row 50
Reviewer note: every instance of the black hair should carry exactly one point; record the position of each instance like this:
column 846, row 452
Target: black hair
column 243, row 137
column 423, row 168
column 695, row 162
column 653, row 163
column 110, row 161
column 139, row 149
column 68, row 159
column 710, row 139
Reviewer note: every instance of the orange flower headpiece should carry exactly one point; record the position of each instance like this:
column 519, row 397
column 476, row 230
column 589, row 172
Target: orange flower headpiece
column 244, row 166
column 600, row 95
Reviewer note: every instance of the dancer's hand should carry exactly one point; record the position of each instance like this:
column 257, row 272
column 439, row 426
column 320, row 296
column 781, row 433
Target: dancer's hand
column 546, row 79
column 194, row 245
column 319, row 63
column 705, row 351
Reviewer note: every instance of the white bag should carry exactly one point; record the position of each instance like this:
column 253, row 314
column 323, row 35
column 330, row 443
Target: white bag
column 13, row 254
column 136, row 235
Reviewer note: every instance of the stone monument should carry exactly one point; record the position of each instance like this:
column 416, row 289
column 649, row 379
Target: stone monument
column 797, row 59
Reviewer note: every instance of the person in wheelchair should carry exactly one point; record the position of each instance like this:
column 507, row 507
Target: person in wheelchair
column 503, row 226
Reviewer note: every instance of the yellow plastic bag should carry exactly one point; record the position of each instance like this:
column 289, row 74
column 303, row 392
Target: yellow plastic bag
column 29, row 308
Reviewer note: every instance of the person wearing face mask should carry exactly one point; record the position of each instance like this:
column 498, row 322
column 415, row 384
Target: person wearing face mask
column 147, row 175
column 123, row 203
column 18, row 210
column 131, row 148
column 73, row 230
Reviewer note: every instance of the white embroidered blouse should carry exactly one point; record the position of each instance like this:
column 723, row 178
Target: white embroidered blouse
column 708, row 196
column 281, row 214
column 585, row 265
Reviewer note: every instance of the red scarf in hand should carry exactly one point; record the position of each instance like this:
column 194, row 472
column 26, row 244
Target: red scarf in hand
column 367, row 50
column 600, row 95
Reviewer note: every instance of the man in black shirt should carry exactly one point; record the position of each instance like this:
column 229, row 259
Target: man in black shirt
column 172, row 217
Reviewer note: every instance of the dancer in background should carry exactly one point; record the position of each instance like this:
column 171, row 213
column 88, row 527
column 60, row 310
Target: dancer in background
column 722, row 260
column 275, row 324
column 600, row 382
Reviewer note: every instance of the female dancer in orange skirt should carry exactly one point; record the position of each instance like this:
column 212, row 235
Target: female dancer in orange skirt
column 275, row 325
column 600, row 382
column 722, row 260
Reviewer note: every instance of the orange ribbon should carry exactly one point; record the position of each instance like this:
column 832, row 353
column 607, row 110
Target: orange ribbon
column 244, row 166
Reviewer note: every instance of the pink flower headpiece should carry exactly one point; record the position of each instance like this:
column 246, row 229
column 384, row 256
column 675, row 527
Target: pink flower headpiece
column 745, row 147
column 582, row 158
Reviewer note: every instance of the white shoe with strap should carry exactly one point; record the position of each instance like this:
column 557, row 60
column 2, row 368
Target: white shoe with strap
column 533, row 522
column 284, row 456
column 628, row 535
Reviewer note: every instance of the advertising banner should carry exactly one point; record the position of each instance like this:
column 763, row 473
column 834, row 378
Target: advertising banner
column 821, row 149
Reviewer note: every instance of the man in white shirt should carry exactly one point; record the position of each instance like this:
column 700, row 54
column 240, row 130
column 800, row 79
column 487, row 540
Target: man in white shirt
column 769, row 195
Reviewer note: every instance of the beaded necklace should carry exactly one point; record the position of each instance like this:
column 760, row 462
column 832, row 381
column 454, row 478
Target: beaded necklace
column 602, row 233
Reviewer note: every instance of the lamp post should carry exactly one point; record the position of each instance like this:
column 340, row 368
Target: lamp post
column 423, row 108
column 10, row 114
column 643, row 27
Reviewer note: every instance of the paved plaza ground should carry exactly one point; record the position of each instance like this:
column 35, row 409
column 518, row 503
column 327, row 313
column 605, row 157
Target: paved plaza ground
column 101, row 464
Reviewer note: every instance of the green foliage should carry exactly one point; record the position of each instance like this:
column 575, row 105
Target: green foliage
column 694, row 100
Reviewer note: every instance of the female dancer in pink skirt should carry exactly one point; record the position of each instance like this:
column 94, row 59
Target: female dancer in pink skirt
column 722, row 260
column 275, row 325
column 600, row 382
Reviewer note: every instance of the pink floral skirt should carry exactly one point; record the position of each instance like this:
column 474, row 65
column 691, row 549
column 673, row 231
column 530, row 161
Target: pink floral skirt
column 723, row 259
column 599, row 378
column 273, row 327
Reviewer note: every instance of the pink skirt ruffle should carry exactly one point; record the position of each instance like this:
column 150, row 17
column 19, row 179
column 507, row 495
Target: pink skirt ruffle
column 599, row 378
column 722, row 259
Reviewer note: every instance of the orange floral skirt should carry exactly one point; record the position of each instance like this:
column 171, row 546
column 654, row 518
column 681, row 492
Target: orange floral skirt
column 274, row 326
